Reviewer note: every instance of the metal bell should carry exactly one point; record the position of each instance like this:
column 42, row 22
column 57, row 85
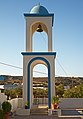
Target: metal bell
column 39, row 29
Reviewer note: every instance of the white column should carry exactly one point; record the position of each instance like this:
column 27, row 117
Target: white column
column 52, row 78
column 24, row 81
column 28, row 37
column 31, row 88
column 50, row 39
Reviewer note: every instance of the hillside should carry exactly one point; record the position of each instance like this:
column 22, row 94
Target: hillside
column 71, row 81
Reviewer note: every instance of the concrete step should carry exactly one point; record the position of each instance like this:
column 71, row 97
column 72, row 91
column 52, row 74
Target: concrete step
column 39, row 111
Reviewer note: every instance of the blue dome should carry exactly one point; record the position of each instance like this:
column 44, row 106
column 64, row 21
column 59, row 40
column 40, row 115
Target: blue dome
column 38, row 9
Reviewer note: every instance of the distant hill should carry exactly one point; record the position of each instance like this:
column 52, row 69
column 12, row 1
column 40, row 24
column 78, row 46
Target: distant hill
column 11, row 79
column 71, row 81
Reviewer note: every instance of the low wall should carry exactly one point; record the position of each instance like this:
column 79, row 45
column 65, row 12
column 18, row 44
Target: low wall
column 20, row 102
column 16, row 103
column 71, row 103
column 65, row 103
column 3, row 97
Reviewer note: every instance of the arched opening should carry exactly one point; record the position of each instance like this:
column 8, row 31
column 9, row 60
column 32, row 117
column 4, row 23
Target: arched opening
column 40, row 85
column 39, row 39
column 40, row 42
column 31, row 64
column 40, row 70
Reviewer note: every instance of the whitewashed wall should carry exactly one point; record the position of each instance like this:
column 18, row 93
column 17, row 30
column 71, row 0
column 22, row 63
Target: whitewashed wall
column 3, row 97
column 14, row 103
column 20, row 102
column 71, row 103
column 65, row 103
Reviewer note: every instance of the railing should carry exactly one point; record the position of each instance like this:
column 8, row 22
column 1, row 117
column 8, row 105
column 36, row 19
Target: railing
column 40, row 101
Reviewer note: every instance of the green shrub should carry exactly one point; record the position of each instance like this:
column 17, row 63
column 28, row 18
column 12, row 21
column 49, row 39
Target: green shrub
column 1, row 114
column 55, row 99
column 6, row 106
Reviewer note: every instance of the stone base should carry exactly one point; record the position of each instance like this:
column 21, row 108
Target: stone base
column 49, row 112
column 21, row 111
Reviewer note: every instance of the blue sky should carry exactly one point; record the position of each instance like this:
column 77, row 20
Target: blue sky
column 67, row 34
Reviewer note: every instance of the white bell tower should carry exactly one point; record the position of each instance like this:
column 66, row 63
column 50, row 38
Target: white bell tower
column 39, row 19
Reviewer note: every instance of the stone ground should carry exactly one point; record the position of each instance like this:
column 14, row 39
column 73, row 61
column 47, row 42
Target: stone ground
column 43, row 117
column 71, row 112
column 65, row 113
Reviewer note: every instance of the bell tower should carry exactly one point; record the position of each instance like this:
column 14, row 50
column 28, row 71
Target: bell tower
column 39, row 19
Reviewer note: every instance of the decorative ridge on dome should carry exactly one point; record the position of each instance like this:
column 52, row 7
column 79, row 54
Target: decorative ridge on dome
column 39, row 9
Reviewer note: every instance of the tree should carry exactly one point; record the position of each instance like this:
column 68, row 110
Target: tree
column 60, row 90
column 13, row 93
column 18, row 92
column 75, row 92
column 40, row 92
